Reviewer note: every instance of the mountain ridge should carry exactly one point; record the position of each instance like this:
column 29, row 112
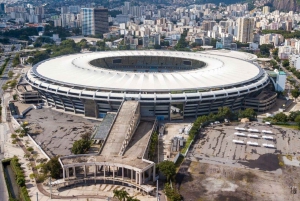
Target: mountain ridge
column 286, row 5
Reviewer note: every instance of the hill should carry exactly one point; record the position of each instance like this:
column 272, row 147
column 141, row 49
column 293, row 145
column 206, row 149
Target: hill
column 286, row 5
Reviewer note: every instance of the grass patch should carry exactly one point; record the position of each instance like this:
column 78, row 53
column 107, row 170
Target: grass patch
column 295, row 127
column 289, row 157
column 280, row 159
column 179, row 161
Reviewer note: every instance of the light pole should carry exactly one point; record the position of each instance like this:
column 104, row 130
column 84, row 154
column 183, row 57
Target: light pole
column 157, row 190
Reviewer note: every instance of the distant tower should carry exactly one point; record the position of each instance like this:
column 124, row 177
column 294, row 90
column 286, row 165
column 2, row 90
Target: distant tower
column 94, row 21
column 245, row 29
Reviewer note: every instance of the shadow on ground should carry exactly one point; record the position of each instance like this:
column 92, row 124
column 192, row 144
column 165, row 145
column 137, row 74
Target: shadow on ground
column 265, row 162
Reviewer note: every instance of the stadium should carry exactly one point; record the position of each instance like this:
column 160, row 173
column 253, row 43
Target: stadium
column 169, row 85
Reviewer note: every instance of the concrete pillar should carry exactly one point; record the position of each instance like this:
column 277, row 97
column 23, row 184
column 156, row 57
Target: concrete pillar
column 113, row 172
column 122, row 173
column 140, row 177
column 64, row 173
column 149, row 174
column 143, row 177
column 68, row 172
column 95, row 173
column 84, row 170
column 131, row 174
column 74, row 171
column 136, row 177
column 104, row 168
column 154, row 172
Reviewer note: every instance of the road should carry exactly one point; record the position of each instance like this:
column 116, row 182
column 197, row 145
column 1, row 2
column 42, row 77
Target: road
column 3, row 190
column 3, row 135
column 4, row 77
column 290, row 74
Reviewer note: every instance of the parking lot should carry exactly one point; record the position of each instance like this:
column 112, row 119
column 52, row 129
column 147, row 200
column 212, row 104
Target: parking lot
column 217, row 142
column 55, row 131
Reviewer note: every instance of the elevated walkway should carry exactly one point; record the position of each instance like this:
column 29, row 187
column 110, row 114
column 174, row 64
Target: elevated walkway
column 122, row 130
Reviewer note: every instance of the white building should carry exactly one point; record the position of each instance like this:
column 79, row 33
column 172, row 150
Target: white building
column 294, row 60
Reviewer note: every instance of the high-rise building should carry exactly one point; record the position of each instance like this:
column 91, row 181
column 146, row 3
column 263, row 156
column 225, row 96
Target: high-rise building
column 266, row 10
column 94, row 21
column 39, row 10
column 64, row 10
column 289, row 25
column 245, row 29
column 126, row 8
column 101, row 20
column 2, row 7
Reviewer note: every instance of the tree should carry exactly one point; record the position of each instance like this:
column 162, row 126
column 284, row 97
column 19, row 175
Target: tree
column 172, row 194
column 10, row 74
column 86, row 136
column 131, row 198
column 13, row 136
column 4, row 87
column 275, row 52
column 265, row 49
column 53, row 166
column 16, row 60
column 247, row 113
column 21, row 181
column 182, row 44
column 295, row 93
column 297, row 119
column 281, row 117
column 293, row 115
column 168, row 169
column 224, row 112
column 121, row 195
column 13, row 83
column 81, row 146
column 157, row 47
column 37, row 43
column 285, row 63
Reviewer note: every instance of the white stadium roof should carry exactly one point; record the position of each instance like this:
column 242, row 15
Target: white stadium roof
column 220, row 71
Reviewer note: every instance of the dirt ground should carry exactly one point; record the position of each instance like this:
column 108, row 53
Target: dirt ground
column 216, row 169
column 206, row 182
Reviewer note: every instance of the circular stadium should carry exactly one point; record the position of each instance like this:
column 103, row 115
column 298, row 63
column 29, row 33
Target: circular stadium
column 168, row 84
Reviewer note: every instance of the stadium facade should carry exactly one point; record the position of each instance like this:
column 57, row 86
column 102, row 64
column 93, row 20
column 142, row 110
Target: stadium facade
column 168, row 84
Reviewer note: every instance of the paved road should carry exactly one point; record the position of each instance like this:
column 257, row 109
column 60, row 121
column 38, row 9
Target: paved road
column 3, row 137
column 4, row 77
column 3, row 190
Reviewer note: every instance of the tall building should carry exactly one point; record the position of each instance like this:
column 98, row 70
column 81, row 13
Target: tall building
column 266, row 10
column 39, row 10
column 126, row 8
column 2, row 7
column 94, row 21
column 289, row 25
column 245, row 29
column 101, row 20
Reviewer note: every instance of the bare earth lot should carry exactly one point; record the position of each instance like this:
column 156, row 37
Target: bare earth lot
column 56, row 132
column 207, row 182
column 218, row 169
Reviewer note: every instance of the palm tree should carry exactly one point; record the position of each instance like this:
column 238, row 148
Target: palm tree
column 131, row 198
column 121, row 195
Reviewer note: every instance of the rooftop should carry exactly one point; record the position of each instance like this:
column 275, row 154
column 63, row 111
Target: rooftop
column 221, row 70
column 104, row 127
